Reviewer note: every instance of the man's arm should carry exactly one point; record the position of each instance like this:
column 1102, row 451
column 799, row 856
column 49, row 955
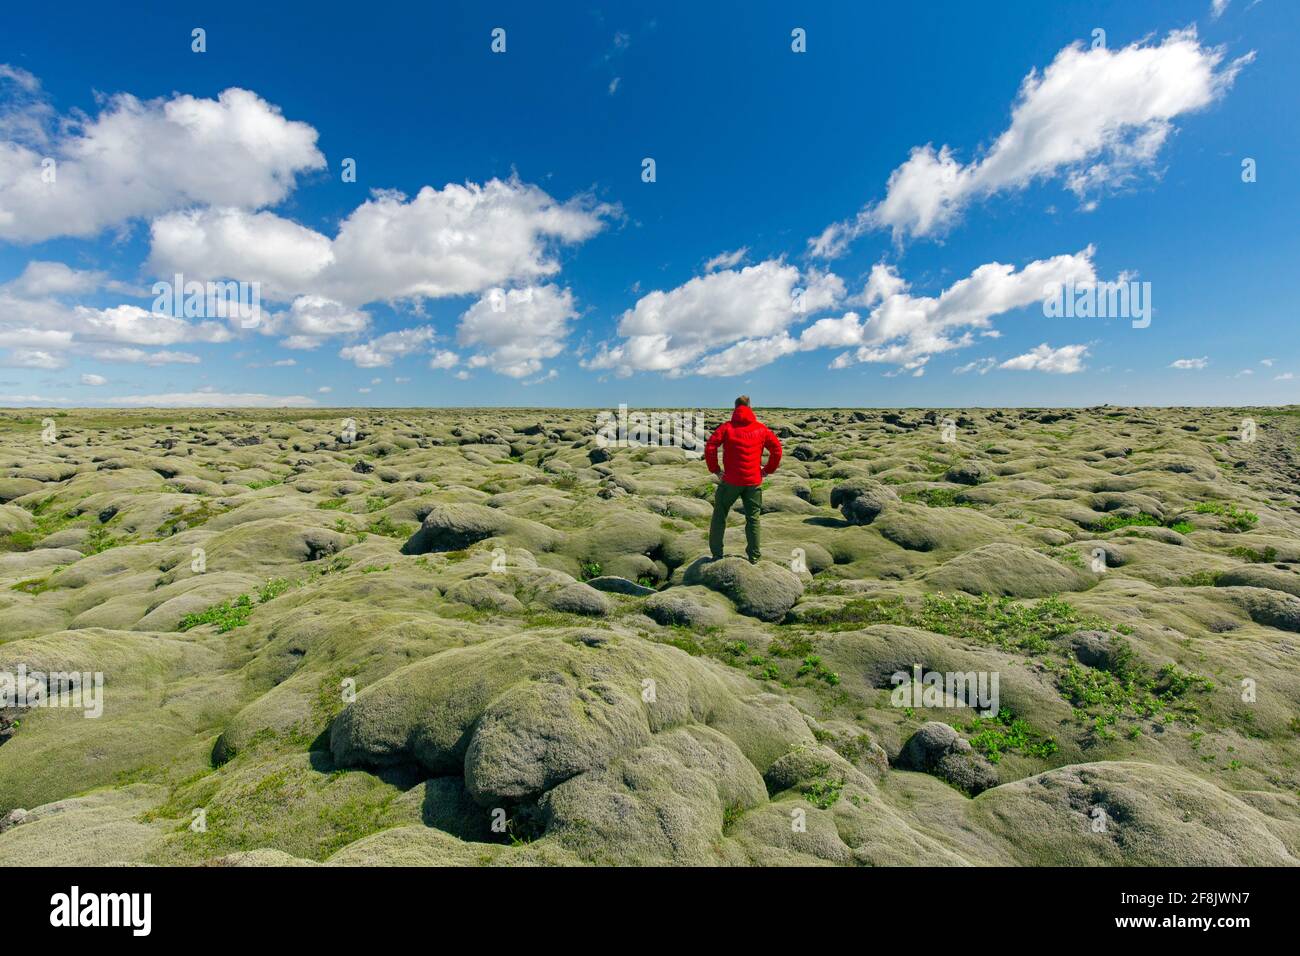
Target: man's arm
column 773, row 446
column 711, row 449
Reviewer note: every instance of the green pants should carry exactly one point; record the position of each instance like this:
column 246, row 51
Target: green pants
column 752, row 501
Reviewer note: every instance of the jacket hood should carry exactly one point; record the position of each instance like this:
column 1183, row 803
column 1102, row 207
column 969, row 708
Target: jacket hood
column 743, row 415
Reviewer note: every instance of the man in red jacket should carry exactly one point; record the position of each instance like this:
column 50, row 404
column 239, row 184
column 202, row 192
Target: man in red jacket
column 742, row 441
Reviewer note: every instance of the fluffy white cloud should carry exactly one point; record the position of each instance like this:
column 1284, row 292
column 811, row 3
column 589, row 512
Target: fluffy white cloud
column 1217, row 7
column 513, row 332
column 381, row 351
column 905, row 330
column 90, row 378
column 1043, row 358
column 34, row 358
column 311, row 320
column 42, row 279
column 460, row 240
column 212, row 243
column 1095, row 116
column 443, row 359
column 142, row 158
column 671, row 331
column 1192, row 363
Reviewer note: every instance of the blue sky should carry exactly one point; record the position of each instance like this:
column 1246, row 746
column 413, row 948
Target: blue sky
column 500, row 247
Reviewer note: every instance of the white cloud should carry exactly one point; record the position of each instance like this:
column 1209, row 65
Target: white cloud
column 1268, row 362
column 1095, row 116
column 1195, row 363
column 982, row 366
column 311, row 320
column 460, row 240
column 906, row 330
column 34, row 358
column 381, row 351
column 143, row 158
column 90, row 378
column 41, row 279
column 213, row 398
column 1217, row 7
column 1065, row 360
column 284, row 257
column 1284, row 377
column 441, row 359
column 672, row 331
column 284, row 363
column 726, row 260
column 513, row 332
column 324, row 390
column 141, row 357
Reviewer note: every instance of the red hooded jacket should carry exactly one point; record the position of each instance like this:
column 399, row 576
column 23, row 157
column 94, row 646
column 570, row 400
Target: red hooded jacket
column 742, row 440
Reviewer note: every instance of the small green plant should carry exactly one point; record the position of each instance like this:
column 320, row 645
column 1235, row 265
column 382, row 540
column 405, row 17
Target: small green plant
column 1006, row 733
column 385, row 526
column 332, row 504
column 272, row 589
column 1238, row 518
column 591, row 569
column 227, row 615
column 938, row 498
column 567, row 481
column 1013, row 625
column 1267, row 556
column 813, row 666
column 1115, row 522
column 823, row 791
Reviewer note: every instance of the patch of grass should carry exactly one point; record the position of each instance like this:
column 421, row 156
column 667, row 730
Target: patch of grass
column 182, row 518
column 1267, row 556
column 385, row 526
column 567, row 481
column 823, row 791
column 938, row 498
column 1115, row 522
column 1010, row 624
column 790, row 645
column 1006, row 733
column 35, row 585
column 99, row 540
column 812, row 666
column 1199, row 579
column 272, row 589
column 1129, row 690
column 375, row 503
column 332, row 504
column 1238, row 518
column 264, row 483
column 589, row 570
column 227, row 615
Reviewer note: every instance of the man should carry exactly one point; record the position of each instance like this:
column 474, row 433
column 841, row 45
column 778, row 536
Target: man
column 742, row 441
